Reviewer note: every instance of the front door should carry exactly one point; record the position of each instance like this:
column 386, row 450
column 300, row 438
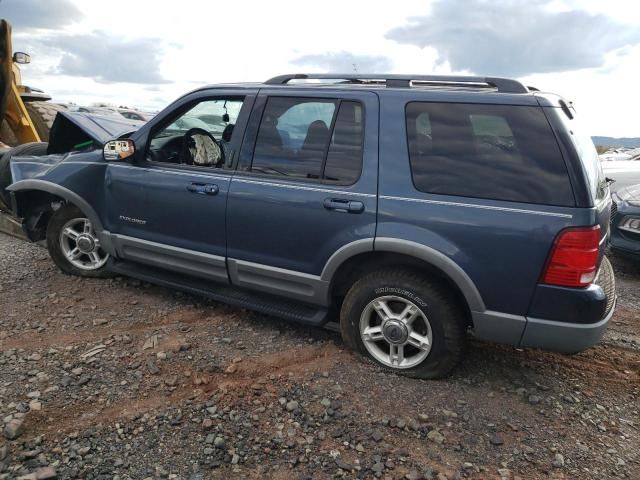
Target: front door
column 306, row 187
column 168, row 208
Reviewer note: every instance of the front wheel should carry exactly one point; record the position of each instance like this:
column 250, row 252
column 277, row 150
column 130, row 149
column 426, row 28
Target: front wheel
column 74, row 245
column 404, row 322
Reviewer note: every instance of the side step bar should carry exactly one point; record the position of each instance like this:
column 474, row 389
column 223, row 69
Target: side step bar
column 288, row 310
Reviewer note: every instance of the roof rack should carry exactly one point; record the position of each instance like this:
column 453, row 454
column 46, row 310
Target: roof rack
column 502, row 85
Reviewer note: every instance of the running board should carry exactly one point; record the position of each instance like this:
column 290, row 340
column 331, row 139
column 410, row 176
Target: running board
column 287, row 310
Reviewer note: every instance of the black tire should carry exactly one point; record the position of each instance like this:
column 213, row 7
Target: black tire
column 445, row 316
column 6, row 134
column 42, row 115
column 35, row 148
column 56, row 223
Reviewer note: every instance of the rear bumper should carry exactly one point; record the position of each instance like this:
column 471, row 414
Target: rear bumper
column 562, row 336
column 567, row 320
column 587, row 330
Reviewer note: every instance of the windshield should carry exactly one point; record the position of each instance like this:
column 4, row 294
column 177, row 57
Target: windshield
column 588, row 154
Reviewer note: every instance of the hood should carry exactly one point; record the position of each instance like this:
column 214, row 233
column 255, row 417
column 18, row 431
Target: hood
column 73, row 129
column 630, row 194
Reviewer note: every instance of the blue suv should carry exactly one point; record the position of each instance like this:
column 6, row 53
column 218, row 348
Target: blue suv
column 411, row 208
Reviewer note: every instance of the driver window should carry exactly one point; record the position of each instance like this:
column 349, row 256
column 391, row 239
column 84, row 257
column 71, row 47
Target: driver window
column 199, row 137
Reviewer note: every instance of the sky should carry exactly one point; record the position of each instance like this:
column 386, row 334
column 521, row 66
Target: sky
column 145, row 53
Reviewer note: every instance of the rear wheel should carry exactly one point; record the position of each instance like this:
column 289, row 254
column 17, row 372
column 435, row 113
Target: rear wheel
column 405, row 323
column 42, row 115
column 74, row 245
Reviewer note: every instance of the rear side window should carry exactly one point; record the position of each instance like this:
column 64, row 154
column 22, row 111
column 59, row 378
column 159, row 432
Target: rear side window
column 311, row 139
column 499, row 152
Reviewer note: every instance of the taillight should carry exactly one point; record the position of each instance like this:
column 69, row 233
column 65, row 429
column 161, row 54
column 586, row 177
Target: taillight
column 574, row 257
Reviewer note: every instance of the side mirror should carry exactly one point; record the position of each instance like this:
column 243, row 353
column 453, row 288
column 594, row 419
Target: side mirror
column 21, row 57
column 118, row 150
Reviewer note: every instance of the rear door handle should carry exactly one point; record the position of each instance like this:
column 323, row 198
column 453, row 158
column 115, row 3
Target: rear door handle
column 342, row 205
column 203, row 188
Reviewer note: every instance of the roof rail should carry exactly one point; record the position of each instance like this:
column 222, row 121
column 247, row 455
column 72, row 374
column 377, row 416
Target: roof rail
column 502, row 85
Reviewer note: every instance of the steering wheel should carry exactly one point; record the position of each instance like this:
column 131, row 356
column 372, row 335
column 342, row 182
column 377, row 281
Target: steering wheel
column 200, row 148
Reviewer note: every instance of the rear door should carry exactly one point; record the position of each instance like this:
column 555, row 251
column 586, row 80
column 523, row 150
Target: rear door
column 305, row 187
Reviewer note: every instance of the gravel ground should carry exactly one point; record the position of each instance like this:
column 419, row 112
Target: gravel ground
column 118, row 379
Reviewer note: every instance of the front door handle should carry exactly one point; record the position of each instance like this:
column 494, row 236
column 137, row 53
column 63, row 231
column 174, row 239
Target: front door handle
column 342, row 205
column 203, row 188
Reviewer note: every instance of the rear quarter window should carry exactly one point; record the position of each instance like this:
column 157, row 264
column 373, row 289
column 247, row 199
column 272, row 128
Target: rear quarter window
column 499, row 152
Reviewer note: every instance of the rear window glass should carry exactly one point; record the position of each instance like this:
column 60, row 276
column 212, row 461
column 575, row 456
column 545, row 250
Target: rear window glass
column 588, row 155
column 499, row 152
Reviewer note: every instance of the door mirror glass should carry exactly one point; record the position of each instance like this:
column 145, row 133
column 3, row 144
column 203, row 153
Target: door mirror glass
column 21, row 57
column 118, row 150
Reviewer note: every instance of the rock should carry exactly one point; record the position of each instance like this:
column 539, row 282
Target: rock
column 83, row 451
column 496, row 439
column 377, row 467
column 34, row 395
column 377, row 436
column 152, row 367
column 219, row 442
column 435, row 436
column 325, row 402
column 100, row 321
column 360, row 448
column 343, row 465
column 235, row 459
column 46, row 473
column 449, row 413
column 534, row 399
column 423, row 417
column 292, row 405
column 35, row 405
column 400, row 423
column 13, row 429
column 414, row 475
column 3, row 452
column 207, row 423
column 558, row 461
column 231, row 368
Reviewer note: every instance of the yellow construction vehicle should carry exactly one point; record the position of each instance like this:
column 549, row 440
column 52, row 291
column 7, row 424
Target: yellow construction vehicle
column 26, row 115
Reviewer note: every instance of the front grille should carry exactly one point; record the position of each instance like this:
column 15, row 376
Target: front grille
column 606, row 280
column 614, row 212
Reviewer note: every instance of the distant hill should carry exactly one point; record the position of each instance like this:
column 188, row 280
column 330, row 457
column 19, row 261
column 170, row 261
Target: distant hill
column 617, row 142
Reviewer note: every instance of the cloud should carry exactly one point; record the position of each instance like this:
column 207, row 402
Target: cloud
column 345, row 62
column 515, row 37
column 29, row 14
column 109, row 59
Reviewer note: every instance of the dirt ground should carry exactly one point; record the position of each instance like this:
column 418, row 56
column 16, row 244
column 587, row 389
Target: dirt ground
column 118, row 379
